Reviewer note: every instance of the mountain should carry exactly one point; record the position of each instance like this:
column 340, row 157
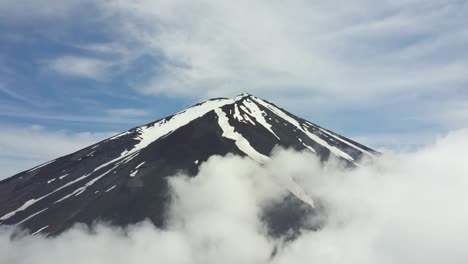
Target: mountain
column 122, row 180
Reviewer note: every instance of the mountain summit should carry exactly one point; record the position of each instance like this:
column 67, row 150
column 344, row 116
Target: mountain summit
column 123, row 179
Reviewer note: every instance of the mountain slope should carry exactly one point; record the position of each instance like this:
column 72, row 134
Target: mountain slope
column 122, row 179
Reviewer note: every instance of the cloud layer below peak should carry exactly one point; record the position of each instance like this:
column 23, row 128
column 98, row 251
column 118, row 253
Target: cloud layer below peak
column 405, row 208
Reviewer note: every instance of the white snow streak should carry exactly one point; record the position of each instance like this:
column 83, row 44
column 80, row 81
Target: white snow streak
column 246, row 117
column 259, row 115
column 347, row 142
column 135, row 171
column 297, row 190
column 123, row 158
column 239, row 140
column 21, row 208
column 40, row 166
column 31, row 216
column 139, row 165
column 39, row 230
column 83, row 188
column 237, row 114
column 338, row 152
column 119, row 135
column 148, row 134
column 108, row 190
column 244, row 146
column 307, row 146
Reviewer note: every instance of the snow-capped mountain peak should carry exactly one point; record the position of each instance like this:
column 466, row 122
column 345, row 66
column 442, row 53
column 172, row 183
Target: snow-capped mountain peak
column 123, row 179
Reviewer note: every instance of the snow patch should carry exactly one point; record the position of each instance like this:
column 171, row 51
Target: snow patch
column 237, row 114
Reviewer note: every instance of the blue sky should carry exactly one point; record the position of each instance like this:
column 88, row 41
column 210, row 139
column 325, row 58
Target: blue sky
column 392, row 74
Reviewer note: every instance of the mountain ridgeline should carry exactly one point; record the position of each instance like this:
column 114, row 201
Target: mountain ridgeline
column 123, row 180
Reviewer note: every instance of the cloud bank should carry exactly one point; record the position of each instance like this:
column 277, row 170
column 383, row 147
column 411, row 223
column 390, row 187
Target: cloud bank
column 407, row 208
column 349, row 52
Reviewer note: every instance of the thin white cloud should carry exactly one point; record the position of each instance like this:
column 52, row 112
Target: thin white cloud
column 81, row 67
column 13, row 94
column 127, row 113
column 126, row 116
column 401, row 142
column 407, row 208
column 22, row 148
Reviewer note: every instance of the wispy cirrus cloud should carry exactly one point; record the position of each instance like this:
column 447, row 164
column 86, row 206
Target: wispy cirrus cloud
column 314, row 48
column 23, row 147
column 9, row 92
column 110, row 116
column 351, row 53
